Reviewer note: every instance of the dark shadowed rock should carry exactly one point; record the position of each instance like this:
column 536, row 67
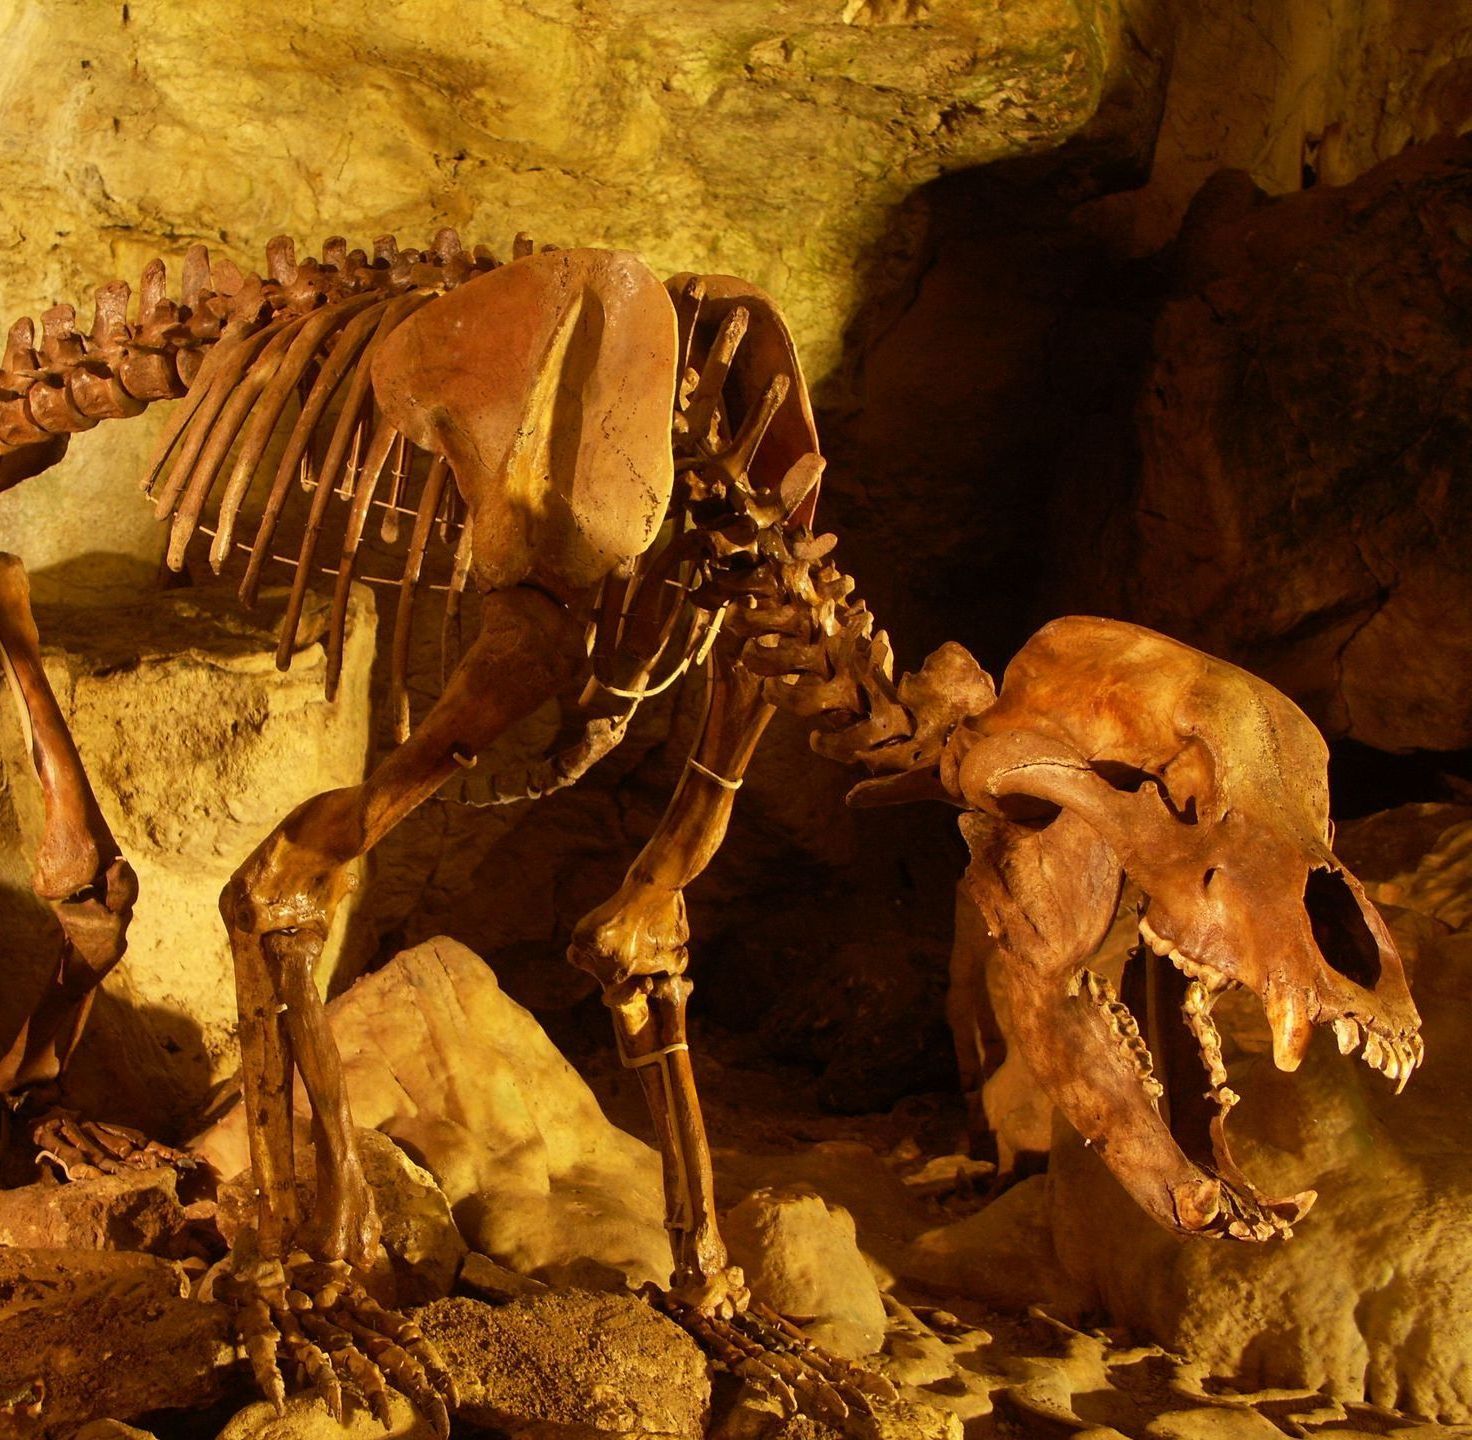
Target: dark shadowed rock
column 1302, row 426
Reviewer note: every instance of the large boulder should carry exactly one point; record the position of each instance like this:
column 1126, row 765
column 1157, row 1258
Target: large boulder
column 801, row 1256
column 196, row 746
column 465, row 1080
column 1372, row 1297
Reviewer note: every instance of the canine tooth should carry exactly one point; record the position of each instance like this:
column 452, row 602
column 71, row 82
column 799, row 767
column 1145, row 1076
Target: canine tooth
column 1289, row 1022
column 1346, row 1034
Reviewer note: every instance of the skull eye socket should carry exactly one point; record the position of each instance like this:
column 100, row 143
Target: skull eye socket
column 1130, row 780
column 1339, row 928
column 1119, row 776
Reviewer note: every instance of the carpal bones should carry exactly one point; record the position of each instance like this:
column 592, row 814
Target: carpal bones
column 626, row 473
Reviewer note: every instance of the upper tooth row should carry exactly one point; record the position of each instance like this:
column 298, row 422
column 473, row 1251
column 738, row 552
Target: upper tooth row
column 1195, row 969
column 1396, row 1057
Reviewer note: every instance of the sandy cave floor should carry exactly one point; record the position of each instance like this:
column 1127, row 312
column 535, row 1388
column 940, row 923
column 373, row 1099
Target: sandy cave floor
column 1012, row 1373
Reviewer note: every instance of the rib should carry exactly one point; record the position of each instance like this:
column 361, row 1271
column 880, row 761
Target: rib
column 450, row 628
column 394, row 313
column 356, row 336
column 222, row 432
column 267, row 412
column 398, row 685
column 384, row 438
column 224, row 365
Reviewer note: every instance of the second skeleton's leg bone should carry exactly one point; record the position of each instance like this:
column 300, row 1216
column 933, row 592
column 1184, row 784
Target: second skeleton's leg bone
column 81, row 874
column 278, row 908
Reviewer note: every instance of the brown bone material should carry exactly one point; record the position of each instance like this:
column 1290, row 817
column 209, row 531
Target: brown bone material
column 1116, row 752
column 627, row 474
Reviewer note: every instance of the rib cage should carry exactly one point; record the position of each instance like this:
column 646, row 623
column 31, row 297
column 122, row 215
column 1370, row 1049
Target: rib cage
column 264, row 363
column 316, row 347
column 239, row 350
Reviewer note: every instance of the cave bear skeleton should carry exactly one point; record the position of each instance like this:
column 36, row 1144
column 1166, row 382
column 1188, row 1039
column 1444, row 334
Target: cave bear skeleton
column 624, row 474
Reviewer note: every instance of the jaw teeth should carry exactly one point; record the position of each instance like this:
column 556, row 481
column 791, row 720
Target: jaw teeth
column 1123, row 1029
column 1209, row 976
column 1159, row 946
column 1395, row 1056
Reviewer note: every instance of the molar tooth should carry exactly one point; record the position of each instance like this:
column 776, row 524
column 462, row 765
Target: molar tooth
column 1159, row 946
column 1346, row 1034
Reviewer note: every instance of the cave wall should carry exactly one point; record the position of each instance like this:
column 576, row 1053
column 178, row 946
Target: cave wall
column 969, row 214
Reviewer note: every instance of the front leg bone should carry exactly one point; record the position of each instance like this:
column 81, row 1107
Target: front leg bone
column 80, row 871
column 300, row 1299
column 635, row 946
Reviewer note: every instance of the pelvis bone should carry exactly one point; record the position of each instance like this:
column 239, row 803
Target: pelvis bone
column 1111, row 752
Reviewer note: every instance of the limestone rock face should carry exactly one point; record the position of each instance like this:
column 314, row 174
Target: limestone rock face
column 196, row 746
column 571, row 1365
column 748, row 138
column 1292, row 92
column 1371, row 1298
column 468, row 1084
column 1300, row 428
column 801, row 1256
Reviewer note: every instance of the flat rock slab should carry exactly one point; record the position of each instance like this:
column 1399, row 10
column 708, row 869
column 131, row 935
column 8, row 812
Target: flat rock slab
column 572, row 1365
column 94, row 1335
column 138, row 1211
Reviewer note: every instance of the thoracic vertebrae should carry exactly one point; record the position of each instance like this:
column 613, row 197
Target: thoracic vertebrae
column 70, row 380
column 1394, row 1056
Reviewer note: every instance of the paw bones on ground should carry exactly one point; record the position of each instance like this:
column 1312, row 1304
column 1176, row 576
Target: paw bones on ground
column 315, row 1318
column 83, row 1149
column 767, row 1349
